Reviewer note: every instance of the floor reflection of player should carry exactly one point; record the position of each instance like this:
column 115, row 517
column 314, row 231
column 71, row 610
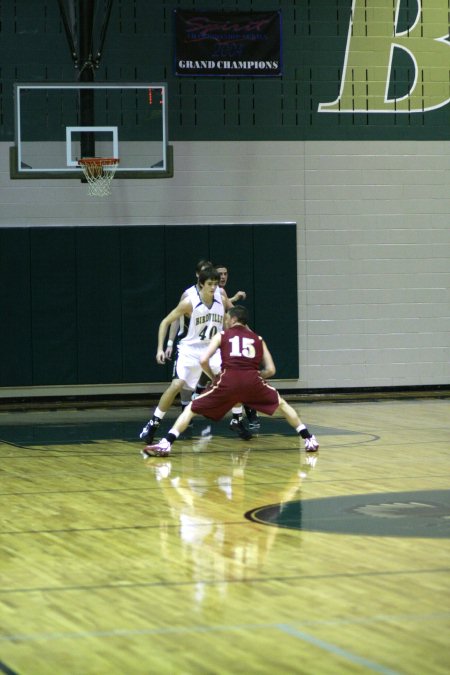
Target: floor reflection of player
column 204, row 498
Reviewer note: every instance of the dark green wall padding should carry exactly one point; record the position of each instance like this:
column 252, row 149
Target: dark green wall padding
column 82, row 305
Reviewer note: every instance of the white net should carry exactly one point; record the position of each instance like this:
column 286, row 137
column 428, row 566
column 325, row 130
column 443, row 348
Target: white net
column 99, row 173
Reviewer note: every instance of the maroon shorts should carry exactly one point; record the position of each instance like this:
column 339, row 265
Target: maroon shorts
column 233, row 387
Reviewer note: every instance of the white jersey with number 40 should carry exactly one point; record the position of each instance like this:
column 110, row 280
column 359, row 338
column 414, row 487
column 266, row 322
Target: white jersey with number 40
column 204, row 321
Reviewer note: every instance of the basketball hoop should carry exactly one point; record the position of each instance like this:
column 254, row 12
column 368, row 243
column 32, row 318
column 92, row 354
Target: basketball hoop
column 99, row 172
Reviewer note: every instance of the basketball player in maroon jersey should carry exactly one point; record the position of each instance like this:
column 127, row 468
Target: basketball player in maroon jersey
column 240, row 381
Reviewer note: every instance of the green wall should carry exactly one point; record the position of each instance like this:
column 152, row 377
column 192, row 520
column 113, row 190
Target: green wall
column 317, row 46
column 82, row 305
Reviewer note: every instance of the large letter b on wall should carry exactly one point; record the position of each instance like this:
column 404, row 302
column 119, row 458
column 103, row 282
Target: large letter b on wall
column 371, row 43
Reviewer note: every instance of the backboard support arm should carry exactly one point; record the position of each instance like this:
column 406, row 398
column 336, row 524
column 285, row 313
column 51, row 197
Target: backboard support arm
column 69, row 34
column 103, row 31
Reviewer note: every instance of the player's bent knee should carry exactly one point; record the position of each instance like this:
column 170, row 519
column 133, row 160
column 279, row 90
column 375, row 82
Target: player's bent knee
column 177, row 385
column 281, row 403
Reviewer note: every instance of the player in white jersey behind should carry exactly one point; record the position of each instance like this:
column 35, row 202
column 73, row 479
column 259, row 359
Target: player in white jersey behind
column 178, row 331
column 177, row 328
column 205, row 309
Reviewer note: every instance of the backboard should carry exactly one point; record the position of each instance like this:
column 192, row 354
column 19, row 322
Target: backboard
column 58, row 123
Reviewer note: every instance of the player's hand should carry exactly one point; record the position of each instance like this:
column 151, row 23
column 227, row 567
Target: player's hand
column 160, row 357
column 169, row 351
column 241, row 295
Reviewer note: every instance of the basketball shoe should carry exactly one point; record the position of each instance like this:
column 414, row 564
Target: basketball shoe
column 148, row 432
column 160, row 449
column 240, row 429
column 254, row 422
column 311, row 444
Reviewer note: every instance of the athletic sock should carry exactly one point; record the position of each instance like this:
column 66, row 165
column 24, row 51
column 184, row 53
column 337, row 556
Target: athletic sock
column 303, row 431
column 158, row 415
column 237, row 413
column 172, row 436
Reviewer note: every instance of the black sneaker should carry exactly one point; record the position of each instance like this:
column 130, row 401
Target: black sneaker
column 253, row 418
column 240, row 429
column 148, row 432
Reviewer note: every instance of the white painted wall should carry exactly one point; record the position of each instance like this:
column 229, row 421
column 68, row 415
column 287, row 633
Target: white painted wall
column 373, row 240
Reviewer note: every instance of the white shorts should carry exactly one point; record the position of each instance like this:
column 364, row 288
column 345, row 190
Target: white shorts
column 189, row 369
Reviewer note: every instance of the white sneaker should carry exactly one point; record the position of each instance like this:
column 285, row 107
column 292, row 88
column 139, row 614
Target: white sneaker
column 311, row 444
column 161, row 449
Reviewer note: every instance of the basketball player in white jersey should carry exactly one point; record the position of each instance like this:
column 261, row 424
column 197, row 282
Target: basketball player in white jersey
column 177, row 328
column 204, row 307
column 177, row 331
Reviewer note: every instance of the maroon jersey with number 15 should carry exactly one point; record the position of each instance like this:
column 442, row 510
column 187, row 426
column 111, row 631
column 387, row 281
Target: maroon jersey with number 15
column 240, row 380
column 241, row 349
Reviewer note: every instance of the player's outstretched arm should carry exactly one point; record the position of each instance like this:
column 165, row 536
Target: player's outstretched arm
column 209, row 351
column 240, row 295
column 226, row 300
column 183, row 307
column 174, row 327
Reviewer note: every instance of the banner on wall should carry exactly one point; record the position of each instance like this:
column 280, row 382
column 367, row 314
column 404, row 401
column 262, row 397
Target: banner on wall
column 231, row 44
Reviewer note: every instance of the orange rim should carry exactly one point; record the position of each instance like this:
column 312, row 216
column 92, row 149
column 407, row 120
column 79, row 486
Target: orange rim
column 98, row 161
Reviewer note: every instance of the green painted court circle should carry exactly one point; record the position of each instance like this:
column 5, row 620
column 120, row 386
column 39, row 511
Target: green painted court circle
column 418, row 513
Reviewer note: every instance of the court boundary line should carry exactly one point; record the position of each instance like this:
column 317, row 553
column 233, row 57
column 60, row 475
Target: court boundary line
column 335, row 650
column 288, row 629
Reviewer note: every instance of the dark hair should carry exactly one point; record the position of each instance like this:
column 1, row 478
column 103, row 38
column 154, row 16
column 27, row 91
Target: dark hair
column 240, row 313
column 202, row 264
column 208, row 273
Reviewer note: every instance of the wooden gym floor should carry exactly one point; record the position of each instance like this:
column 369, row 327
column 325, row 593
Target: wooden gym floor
column 229, row 557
